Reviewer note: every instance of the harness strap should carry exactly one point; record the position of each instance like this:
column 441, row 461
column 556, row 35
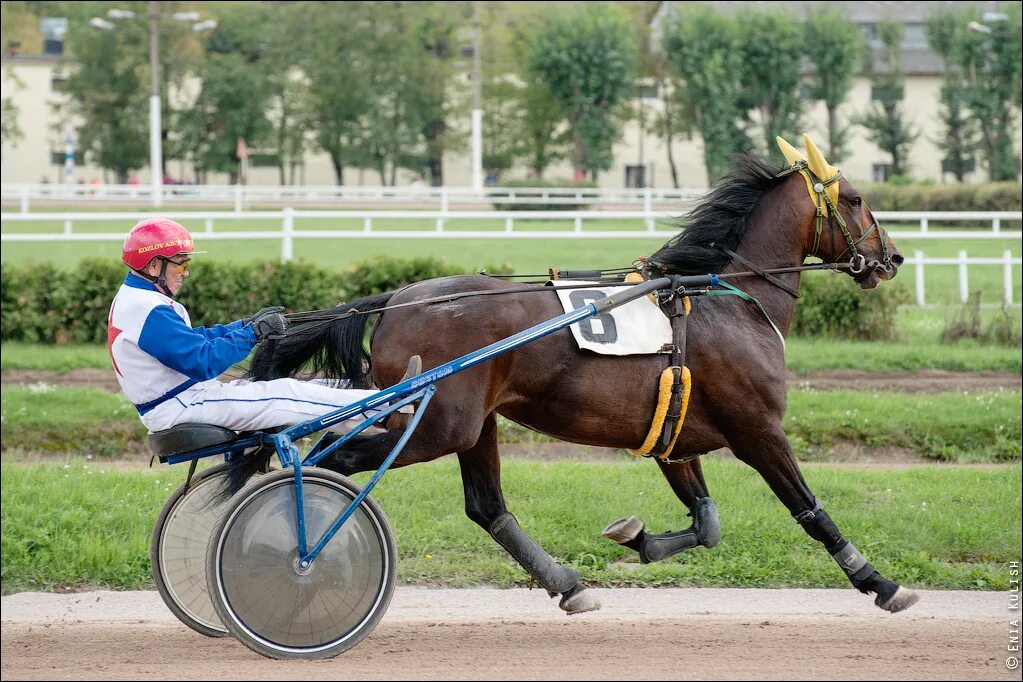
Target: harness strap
column 729, row 290
column 763, row 273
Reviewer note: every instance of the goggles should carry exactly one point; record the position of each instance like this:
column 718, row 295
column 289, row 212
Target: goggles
column 179, row 267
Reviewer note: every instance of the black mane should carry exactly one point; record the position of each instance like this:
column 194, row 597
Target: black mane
column 719, row 221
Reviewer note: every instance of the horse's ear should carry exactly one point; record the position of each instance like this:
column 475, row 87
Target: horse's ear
column 791, row 153
column 821, row 168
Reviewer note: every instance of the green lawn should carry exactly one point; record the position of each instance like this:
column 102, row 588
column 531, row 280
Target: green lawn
column 83, row 524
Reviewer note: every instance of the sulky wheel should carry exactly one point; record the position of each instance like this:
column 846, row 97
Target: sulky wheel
column 272, row 605
column 178, row 551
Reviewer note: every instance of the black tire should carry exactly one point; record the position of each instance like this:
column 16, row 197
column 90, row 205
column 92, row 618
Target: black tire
column 262, row 598
column 177, row 551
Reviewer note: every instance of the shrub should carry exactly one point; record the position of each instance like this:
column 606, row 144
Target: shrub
column 991, row 196
column 41, row 304
column 966, row 324
column 834, row 306
column 552, row 206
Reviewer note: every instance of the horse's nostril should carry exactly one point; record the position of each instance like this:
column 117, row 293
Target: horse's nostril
column 898, row 260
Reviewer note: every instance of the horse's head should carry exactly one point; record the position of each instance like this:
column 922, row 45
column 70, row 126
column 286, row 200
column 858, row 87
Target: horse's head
column 840, row 226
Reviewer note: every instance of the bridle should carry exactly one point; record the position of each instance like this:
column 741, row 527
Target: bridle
column 858, row 263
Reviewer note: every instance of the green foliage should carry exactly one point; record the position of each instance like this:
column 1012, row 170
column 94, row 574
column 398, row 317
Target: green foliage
column 885, row 120
column 587, row 57
column 704, row 52
column 386, row 274
column 966, row 324
column 834, row 306
column 983, row 73
column 539, row 183
column 42, row 304
column 837, row 48
column 992, row 196
column 772, row 49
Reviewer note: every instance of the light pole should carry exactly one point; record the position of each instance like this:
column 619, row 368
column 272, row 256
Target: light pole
column 477, row 110
column 155, row 132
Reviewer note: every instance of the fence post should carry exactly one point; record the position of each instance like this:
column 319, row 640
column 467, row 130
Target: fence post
column 67, row 227
column 996, row 225
column 209, row 225
column 237, row 198
column 24, row 199
column 1007, row 277
column 287, row 228
column 923, row 224
column 648, row 208
column 918, row 259
column 578, row 226
column 367, row 224
column 509, row 224
column 443, row 208
column 964, row 283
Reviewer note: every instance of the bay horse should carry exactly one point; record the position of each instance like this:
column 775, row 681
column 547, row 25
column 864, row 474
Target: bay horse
column 758, row 214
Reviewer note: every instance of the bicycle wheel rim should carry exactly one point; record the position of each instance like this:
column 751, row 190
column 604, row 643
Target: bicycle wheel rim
column 266, row 597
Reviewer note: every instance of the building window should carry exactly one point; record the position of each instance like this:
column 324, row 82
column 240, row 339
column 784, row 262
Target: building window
column 886, row 93
column 57, row 83
column 639, row 175
column 881, row 172
column 58, row 158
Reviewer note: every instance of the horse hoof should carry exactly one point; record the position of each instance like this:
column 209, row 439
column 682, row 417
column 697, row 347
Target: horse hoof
column 578, row 600
column 900, row 601
column 623, row 530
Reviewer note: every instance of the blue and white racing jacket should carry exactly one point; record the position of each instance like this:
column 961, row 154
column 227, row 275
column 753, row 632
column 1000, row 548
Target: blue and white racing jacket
column 157, row 353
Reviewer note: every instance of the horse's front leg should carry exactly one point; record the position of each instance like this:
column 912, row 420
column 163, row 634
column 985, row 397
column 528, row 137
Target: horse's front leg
column 768, row 452
column 686, row 480
column 484, row 504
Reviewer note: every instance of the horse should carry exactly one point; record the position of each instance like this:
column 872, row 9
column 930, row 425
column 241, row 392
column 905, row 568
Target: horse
column 760, row 213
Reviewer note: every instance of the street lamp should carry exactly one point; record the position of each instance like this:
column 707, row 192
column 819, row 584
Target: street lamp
column 155, row 137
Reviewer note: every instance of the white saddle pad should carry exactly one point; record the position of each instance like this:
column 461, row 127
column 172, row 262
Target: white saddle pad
column 636, row 328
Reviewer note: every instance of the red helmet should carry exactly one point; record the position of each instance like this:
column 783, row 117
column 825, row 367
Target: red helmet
column 154, row 237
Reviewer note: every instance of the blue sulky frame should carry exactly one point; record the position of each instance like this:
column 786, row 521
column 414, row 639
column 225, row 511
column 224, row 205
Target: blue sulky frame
column 419, row 388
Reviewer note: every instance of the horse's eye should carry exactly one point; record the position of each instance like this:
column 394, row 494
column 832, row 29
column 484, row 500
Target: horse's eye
column 856, row 201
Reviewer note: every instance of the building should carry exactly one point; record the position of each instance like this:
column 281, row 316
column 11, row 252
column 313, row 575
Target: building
column 33, row 84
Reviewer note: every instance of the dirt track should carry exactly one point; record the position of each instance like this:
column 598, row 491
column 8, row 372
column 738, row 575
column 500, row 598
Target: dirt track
column 518, row 634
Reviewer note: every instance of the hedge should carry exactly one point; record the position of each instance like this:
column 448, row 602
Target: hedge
column 833, row 306
column 41, row 304
column 991, row 196
column 536, row 182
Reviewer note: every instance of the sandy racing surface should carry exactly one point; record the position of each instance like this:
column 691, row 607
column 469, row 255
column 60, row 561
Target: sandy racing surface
column 489, row 634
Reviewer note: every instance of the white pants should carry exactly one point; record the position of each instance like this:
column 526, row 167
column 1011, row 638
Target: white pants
column 255, row 405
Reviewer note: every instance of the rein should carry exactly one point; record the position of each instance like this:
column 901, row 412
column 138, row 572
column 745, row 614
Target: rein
column 332, row 314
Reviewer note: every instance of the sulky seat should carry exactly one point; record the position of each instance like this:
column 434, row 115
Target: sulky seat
column 186, row 437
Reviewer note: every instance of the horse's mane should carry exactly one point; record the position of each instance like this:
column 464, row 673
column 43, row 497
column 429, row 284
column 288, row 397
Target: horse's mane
column 719, row 221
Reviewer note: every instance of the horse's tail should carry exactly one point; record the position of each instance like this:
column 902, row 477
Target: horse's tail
column 335, row 349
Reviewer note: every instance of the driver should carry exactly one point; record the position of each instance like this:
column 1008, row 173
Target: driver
column 169, row 369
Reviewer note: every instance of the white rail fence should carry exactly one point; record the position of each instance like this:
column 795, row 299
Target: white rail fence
column 439, row 229
column 240, row 196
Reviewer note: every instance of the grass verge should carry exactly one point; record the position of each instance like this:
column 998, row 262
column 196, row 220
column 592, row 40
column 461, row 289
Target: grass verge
column 963, row 427
column 81, row 525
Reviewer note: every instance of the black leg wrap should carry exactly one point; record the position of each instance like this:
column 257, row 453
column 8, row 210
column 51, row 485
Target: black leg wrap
column 551, row 575
column 708, row 528
column 820, row 527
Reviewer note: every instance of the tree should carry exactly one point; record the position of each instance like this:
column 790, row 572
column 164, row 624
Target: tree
column 236, row 92
column 10, row 131
column 946, row 31
column 771, row 48
column 108, row 94
column 983, row 72
column 885, row 121
column 587, row 58
column 703, row 51
column 838, row 48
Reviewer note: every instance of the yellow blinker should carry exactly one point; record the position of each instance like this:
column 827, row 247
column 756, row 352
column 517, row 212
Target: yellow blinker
column 816, row 163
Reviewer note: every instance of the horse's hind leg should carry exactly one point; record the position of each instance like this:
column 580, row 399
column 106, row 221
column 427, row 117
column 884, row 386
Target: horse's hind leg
column 770, row 454
column 686, row 480
column 484, row 504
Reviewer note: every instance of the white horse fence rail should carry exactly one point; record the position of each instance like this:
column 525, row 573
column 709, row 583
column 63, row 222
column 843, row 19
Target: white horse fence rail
column 502, row 225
